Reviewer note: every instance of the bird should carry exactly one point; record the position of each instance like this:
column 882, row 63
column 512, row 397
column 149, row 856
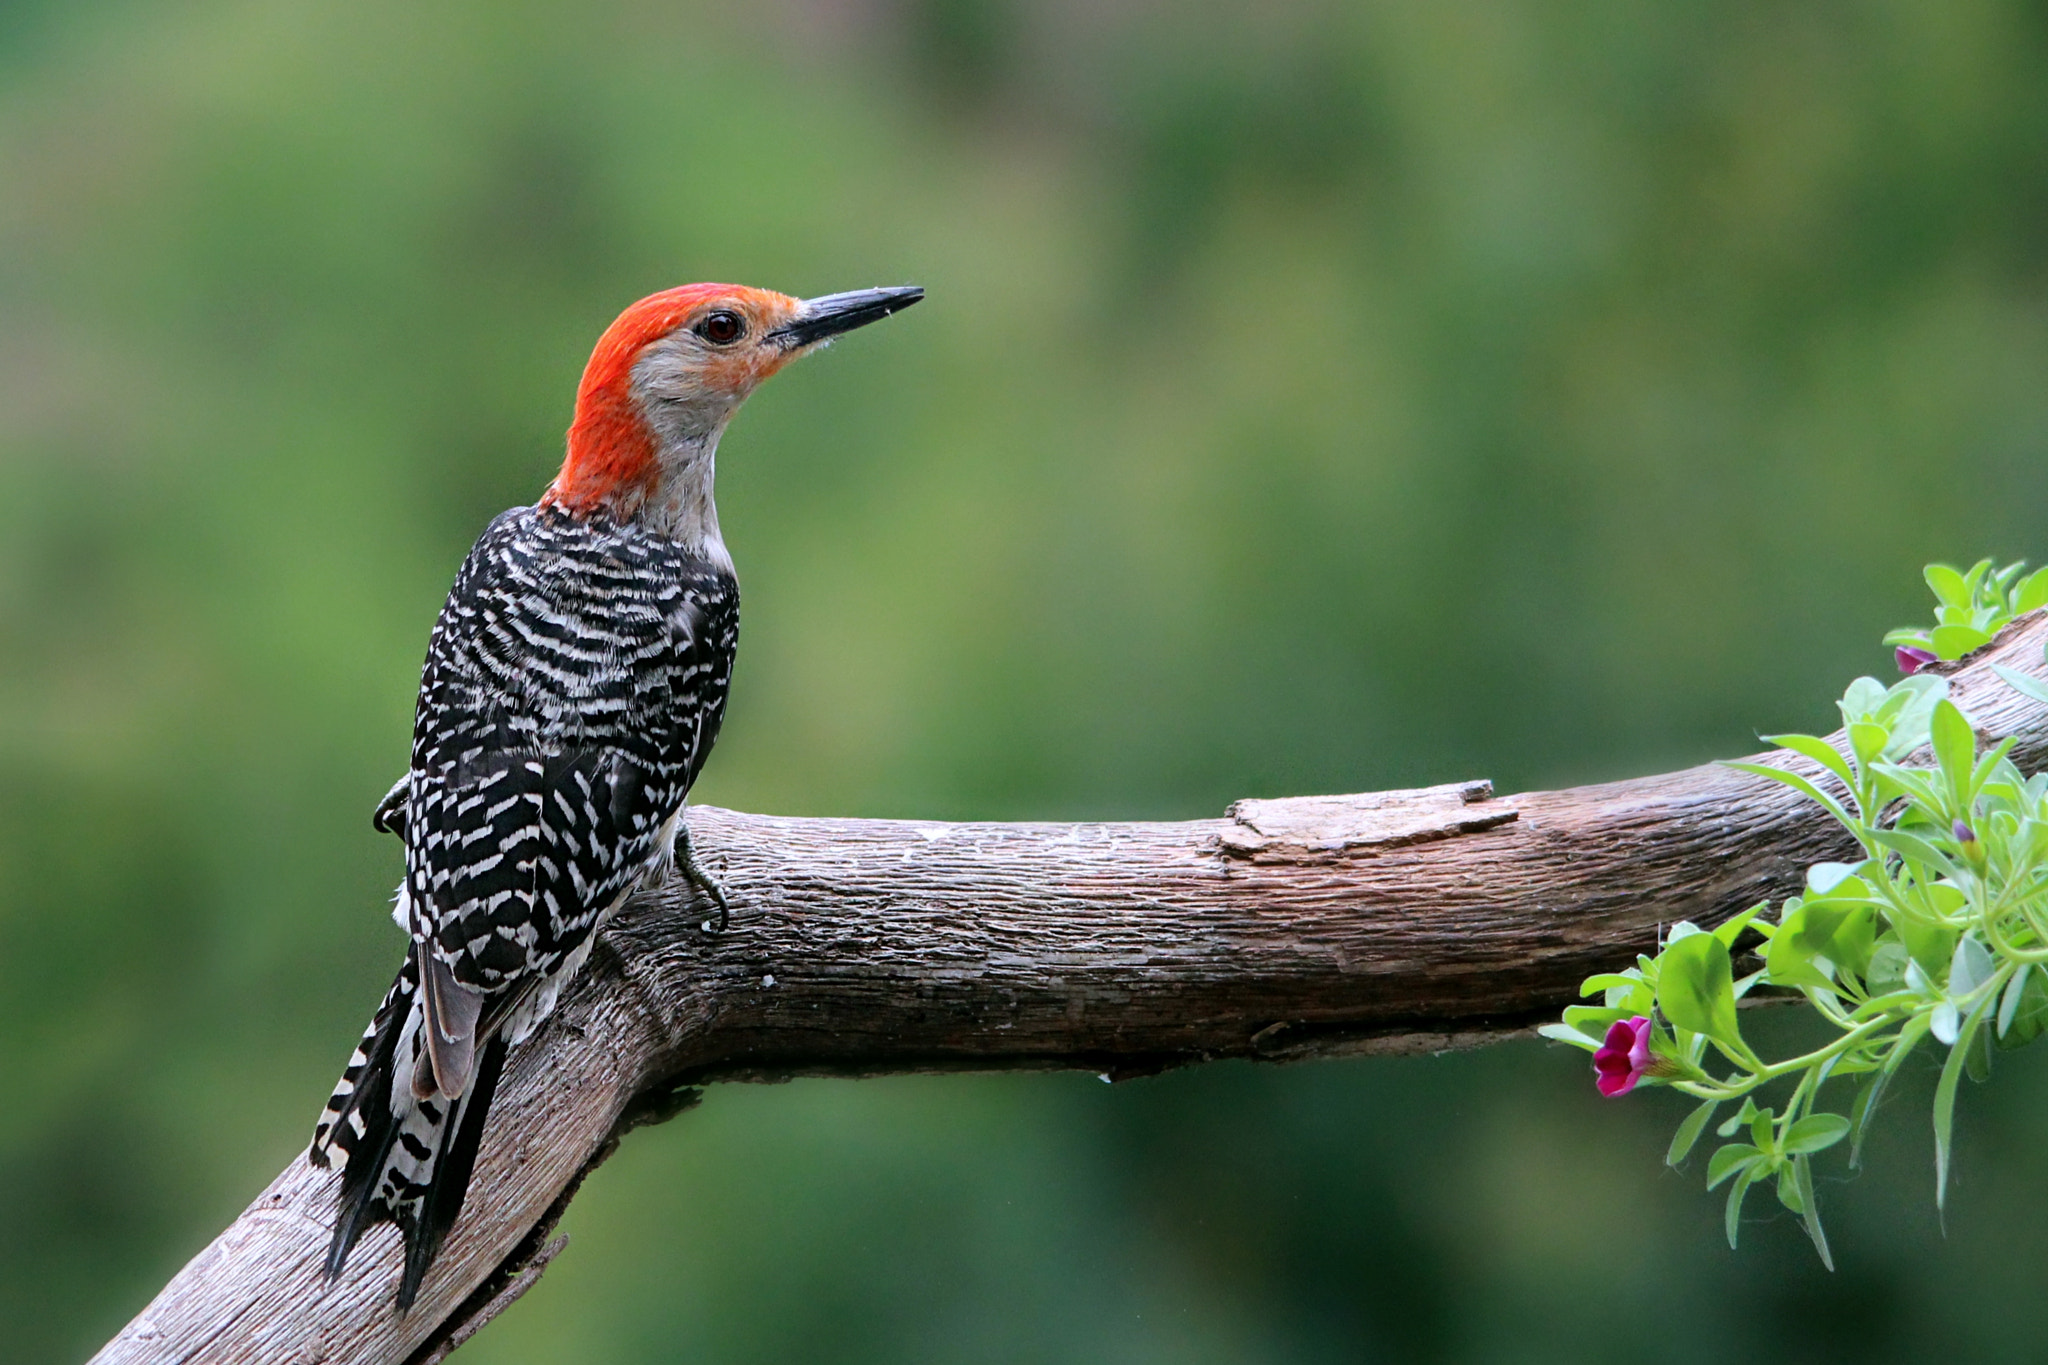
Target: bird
column 574, row 684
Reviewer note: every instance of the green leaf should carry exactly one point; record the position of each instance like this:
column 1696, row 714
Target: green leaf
column 1742, row 1116
column 1600, row 981
column 1980, row 776
column 1788, row 1188
column 1953, row 642
column 1862, row 698
column 2023, row 1008
column 2031, row 688
column 1821, row 752
column 1860, row 1111
column 2031, row 593
column 1955, row 745
column 1949, row 588
column 1593, row 1020
column 1914, row 784
column 1887, row 966
column 1732, row 929
column 1565, row 1033
column 1945, row 1099
column 1906, row 710
column 1696, row 990
column 1977, row 1063
column 1970, row 967
column 1909, row 1038
column 1855, row 1065
column 1908, row 697
column 1810, row 1214
column 1947, row 899
column 1735, row 1196
column 1797, row 783
column 1636, row 998
column 1763, row 1132
column 1947, row 1022
column 1867, row 739
column 1853, row 942
column 1729, row 1159
column 1931, row 945
column 1826, row 879
column 2009, row 1001
column 1689, row 1132
column 1816, row 1133
column 1801, row 935
column 1917, row 850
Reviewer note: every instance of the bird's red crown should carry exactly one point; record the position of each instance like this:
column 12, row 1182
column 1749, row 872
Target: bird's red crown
column 612, row 458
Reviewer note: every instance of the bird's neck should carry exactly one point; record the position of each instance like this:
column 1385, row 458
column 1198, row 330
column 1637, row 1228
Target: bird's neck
column 650, row 465
column 680, row 504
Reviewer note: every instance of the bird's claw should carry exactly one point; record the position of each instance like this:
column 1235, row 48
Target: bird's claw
column 702, row 882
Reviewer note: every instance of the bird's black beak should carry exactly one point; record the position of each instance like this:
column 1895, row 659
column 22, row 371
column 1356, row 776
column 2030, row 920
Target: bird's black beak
column 826, row 317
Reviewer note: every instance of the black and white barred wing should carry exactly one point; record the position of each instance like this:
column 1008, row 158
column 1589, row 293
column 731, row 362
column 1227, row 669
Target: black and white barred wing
column 574, row 683
column 546, row 758
column 503, row 931
column 511, row 864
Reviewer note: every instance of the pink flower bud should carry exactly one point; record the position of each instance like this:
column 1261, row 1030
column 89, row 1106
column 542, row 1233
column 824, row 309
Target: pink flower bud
column 1912, row 659
column 1624, row 1058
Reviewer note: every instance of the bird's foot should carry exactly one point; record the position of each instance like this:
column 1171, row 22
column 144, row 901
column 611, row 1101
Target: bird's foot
column 702, row 882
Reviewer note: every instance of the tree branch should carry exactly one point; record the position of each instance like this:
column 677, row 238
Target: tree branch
column 1296, row 928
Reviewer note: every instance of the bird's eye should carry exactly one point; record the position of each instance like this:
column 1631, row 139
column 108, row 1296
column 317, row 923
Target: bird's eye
column 722, row 327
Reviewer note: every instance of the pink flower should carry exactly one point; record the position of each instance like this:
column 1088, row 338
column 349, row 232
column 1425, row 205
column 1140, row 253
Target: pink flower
column 1912, row 659
column 1624, row 1058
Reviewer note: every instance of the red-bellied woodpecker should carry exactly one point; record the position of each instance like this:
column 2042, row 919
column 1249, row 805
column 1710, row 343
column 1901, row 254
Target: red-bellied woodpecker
column 573, row 687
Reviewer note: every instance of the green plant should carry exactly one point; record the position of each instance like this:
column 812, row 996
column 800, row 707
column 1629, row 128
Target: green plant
column 1940, row 931
column 1973, row 606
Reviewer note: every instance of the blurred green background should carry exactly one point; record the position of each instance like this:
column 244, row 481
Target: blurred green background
column 1310, row 397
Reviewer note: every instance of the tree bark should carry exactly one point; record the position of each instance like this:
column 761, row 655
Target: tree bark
column 1298, row 928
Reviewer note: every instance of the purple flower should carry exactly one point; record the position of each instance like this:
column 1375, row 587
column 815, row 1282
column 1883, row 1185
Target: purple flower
column 1912, row 659
column 1964, row 834
column 1624, row 1058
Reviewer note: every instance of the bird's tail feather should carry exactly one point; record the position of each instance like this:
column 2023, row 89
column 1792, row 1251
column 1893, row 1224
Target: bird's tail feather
column 447, row 1181
column 405, row 1160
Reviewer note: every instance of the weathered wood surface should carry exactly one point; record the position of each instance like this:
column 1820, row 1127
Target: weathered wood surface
column 1295, row 928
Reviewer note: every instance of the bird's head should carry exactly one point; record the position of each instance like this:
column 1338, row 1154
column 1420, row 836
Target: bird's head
column 667, row 376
